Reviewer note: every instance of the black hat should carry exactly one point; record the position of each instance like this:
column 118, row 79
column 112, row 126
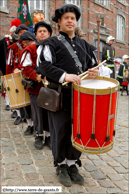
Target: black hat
column 43, row 24
column 21, row 27
column 28, row 36
column 64, row 9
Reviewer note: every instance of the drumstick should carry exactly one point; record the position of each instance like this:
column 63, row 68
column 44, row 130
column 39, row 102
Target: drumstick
column 94, row 68
column 86, row 72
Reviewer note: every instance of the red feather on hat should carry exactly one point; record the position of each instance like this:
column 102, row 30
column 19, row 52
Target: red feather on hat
column 14, row 24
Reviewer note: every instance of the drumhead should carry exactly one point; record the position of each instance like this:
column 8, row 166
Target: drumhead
column 97, row 84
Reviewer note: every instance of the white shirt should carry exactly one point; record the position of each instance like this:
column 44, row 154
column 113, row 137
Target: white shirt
column 104, row 71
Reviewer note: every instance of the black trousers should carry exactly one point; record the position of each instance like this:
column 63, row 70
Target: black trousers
column 124, row 88
column 25, row 112
column 60, row 130
column 112, row 75
column 39, row 116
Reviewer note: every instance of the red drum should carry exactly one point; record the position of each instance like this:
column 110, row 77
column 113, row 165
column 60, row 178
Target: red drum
column 94, row 110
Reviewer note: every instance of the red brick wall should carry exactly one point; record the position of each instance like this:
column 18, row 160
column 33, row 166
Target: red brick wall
column 6, row 18
column 90, row 8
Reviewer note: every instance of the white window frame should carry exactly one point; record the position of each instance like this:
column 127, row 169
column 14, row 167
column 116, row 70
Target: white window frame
column 122, row 1
column 71, row 1
column 29, row 2
column 2, row 3
column 45, row 9
column 4, row 7
column 78, row 3
column 119, row 34
column 104, row 3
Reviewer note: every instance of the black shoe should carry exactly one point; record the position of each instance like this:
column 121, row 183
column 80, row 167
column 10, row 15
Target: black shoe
column 29, row 130
column 18, row 121
column 48, row 142
column 39, row 142
column 14, row 115
column 63, row 176
column 121, row 94
column 74, row 175
column 7, row 107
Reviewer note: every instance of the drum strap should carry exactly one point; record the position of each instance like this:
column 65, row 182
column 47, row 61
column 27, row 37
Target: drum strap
column 19, row 48
column 19, row 45
column 61, row 38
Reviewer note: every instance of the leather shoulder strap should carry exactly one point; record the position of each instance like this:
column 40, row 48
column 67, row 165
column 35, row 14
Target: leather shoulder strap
column 61, row 38
column 19, row 45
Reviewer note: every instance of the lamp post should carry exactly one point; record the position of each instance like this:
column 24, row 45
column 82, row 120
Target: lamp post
column 98, row 24
column 98, row 17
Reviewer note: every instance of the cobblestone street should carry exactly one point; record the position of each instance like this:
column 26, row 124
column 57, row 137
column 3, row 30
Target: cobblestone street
column 23, row 165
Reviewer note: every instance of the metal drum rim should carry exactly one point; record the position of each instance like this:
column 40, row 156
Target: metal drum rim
column 92, row 150
column 98, row 91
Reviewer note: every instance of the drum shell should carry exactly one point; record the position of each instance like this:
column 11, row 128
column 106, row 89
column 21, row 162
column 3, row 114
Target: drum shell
column 102, row 104
column 11, row 83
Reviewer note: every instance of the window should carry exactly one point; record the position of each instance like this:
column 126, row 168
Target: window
column 76, row 2
column 122, row 1
column 120, row 31
column 105, row 3
column 36, row 4
column 101, row 45
column 72, row 1
column 1, row 3
column 40, row 4
column 4, row 5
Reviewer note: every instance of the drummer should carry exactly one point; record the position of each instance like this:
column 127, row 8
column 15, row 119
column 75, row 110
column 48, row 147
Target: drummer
column 12, row 50
column 27, row 39
column 56, row 63
column 28, row 67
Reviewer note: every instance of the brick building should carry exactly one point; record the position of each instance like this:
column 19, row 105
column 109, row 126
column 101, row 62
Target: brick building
column 115, row 22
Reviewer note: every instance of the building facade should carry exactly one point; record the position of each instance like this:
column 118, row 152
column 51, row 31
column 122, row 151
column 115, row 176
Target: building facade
column 115, row 20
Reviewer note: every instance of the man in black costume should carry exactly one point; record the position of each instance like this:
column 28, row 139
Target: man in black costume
column 56, row 63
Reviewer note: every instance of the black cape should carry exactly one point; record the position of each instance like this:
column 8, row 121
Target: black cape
column 3, row 54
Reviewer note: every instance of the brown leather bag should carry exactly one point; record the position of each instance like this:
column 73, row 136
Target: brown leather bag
column 50, row 99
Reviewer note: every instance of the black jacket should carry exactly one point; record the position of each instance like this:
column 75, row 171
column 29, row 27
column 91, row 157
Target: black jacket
column 108, row 51
column 3, row 54
column 63, row 62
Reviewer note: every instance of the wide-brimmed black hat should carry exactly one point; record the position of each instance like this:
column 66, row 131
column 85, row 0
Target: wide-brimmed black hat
column 21, row 27
column 64, row 9
column 43, row 24
column 28, row 36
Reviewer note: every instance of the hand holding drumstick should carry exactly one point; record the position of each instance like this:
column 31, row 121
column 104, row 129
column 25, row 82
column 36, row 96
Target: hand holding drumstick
column 77, row 80
column 91, row 74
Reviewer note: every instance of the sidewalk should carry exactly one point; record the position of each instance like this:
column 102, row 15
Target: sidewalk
column 23, row 165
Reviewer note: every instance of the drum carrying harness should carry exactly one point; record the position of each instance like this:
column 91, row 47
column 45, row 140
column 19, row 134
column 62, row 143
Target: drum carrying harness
column 61, row 38
column 19, row 48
